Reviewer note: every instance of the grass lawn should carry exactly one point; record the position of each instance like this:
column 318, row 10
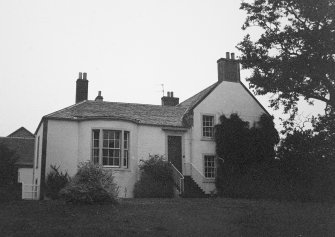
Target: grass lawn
column 168, row 217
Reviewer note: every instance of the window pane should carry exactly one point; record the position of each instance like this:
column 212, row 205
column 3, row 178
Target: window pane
column 125, row 159
column 117, row 144
column 116, row 162
column 96, row 134
column 117, row 134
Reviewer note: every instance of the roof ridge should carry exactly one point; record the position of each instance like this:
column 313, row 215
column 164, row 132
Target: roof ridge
column 69, row 107
column 133, row 103
column 25, row 138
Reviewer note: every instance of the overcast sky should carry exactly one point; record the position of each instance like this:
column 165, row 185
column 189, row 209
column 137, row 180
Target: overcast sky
column 127, row 47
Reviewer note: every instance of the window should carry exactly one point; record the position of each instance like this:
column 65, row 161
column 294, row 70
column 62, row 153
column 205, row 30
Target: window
column 110, row 147
column 125, row 149
column 95, row 146
column 37, row 152
column 208, row 126
column 209, row 166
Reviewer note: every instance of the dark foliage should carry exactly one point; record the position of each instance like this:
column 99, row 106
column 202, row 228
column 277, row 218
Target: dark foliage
column 8, row 171
column 91, row 184
column 56, row 180
column 247, row 155
column 156, row 179
column 303, row 171
column 294, row 55
column 10, row 192
column 308, row 164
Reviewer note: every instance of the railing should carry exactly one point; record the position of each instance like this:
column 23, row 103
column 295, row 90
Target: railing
column 30, row 191
column 178, row 179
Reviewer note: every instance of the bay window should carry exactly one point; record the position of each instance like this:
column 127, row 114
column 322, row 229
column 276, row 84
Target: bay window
column 110, row 147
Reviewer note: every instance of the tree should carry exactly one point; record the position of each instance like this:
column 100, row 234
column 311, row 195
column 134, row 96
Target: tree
column 295, row 55
column 7, row 165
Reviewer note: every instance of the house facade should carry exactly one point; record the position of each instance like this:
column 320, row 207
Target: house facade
column 120, row 135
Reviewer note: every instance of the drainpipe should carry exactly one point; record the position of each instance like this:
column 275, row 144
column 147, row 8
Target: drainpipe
column 191, row 153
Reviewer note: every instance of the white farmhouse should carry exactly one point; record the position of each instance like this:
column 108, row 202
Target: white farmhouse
column 119, row 135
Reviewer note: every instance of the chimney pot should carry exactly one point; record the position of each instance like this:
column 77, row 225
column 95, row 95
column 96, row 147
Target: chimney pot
column 168, row 94
column 80, row 75
column 171, row 93
column 99, row 97
column 227, row 55
column 232, row 56
column 85, row 76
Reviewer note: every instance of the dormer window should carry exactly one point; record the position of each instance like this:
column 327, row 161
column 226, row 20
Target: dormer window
column 208, row 126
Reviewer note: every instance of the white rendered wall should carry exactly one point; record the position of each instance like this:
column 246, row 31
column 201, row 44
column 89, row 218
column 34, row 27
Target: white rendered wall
column 227, row 98
column 62, row 146
column 151, row 140
column 25, row 175
column 69, row 143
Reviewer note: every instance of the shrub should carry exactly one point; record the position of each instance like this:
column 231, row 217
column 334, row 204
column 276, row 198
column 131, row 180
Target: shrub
column 56, row 180
column 156, row 179
column 8, row 171
column 91, row 184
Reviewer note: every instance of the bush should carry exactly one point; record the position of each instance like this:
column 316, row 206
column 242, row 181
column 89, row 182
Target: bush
column 10, row 192
column 56, row 180
column 156, row 179
column 91, row 184
column 8, row 171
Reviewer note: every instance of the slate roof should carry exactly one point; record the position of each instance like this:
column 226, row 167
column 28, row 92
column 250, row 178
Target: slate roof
column 23, row 147
column 21, row 132
column 145, row 114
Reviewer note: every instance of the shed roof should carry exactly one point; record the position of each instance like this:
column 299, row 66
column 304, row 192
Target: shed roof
column 21, row 132
column 23, row 147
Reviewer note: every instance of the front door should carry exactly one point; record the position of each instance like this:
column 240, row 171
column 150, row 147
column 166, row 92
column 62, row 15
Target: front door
column 174, row 151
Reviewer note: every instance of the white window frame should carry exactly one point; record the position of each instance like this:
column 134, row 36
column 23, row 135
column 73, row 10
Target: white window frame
column 122, row 154
column 202, row 126
column 212, row 177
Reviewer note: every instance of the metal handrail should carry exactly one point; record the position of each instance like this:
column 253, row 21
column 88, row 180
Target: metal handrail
column 178, row 178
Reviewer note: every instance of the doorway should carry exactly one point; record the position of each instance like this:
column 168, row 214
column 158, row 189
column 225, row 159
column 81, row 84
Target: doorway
column 175, row 152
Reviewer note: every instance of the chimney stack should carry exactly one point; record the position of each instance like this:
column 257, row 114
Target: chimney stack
column 99, row 97
column 81, row 87
column 169, row 100
column 228, row 68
